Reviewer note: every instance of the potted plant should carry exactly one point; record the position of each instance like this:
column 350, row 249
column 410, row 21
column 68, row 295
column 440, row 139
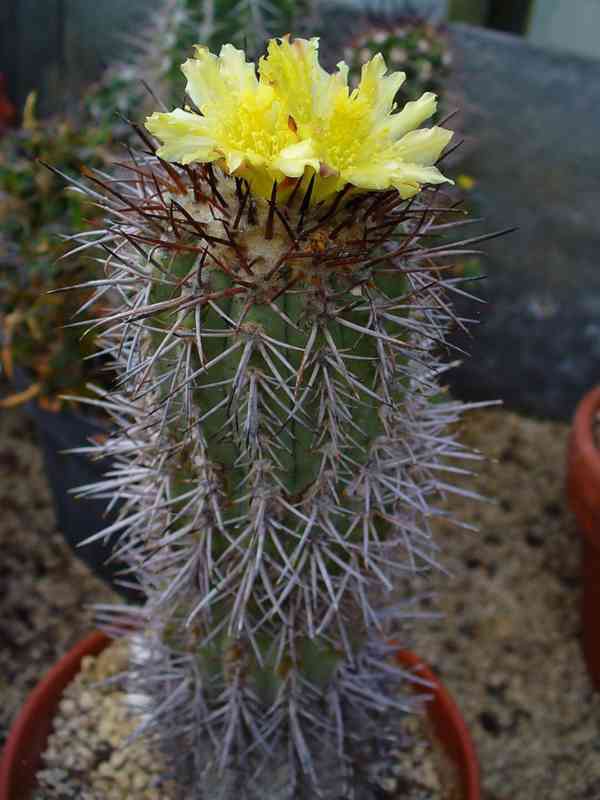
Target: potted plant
column 583, row 490
column 23, row 753
column 281, row 436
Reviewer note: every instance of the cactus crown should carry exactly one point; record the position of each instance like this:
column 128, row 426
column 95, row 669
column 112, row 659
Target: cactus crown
column 280, row 429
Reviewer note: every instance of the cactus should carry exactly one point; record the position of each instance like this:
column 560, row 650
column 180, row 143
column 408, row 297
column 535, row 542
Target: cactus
column 281, row 433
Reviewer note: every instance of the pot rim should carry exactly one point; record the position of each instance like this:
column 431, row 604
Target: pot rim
column 448, row 723
column 34, row 721
column 582, row 430
column 583, row 469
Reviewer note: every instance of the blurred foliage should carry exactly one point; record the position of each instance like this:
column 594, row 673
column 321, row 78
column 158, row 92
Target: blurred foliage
column 35, row 210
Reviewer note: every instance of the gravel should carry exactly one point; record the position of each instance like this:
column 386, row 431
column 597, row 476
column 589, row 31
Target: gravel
column 508, row 648
column 88, row 756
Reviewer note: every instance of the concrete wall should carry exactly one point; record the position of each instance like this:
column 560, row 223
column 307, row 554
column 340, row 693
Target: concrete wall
column 57, row 46
column 437, row 8
column 569, row 25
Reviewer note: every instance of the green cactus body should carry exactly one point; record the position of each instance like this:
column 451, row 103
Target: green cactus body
column 265, row 406
column 281, row 427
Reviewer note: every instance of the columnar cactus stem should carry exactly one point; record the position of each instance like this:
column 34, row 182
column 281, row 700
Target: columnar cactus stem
column 280, row 428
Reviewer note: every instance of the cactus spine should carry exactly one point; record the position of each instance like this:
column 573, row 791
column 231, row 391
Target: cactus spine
column 280, row 428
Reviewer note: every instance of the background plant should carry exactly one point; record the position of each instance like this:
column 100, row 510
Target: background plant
column 413, row 40
column 35, row 211
column 282, row 437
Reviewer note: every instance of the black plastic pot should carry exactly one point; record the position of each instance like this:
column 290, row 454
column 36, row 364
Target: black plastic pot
column 76, row 518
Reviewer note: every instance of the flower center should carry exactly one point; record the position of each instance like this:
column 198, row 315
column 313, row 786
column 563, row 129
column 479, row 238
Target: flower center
column 256, row 124
column 341, row 142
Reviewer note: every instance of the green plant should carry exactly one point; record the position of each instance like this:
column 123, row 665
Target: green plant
column 281, row 435
column 35, row 211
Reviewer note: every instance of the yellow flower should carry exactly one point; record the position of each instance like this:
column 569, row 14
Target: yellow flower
column 355, row 135
column 465, row 182
column 298, row 119
column 243, row 124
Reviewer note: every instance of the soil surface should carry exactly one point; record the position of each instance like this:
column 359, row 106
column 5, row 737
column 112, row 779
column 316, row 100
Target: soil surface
column 507, row 648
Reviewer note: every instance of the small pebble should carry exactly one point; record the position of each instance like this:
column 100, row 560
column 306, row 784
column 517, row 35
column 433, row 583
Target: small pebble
column 86, row 701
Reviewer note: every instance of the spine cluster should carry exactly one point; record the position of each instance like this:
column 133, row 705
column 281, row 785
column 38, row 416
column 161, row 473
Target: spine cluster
column 281, row 447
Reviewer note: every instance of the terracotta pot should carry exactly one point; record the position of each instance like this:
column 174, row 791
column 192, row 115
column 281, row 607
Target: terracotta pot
column 448, row 725
column 22, row 757
column 583, row 491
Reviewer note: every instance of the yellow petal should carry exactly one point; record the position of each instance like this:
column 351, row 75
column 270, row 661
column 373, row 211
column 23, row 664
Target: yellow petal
column 234, row 160
column 412, row 115
column 293, row 160
column 184, row 136
column 240, row 75
column 374, row 177
column 211, row 80
column 204, row 83
column 409, row 178
column 293, row 70
column 375, row 89
column 423, row 146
